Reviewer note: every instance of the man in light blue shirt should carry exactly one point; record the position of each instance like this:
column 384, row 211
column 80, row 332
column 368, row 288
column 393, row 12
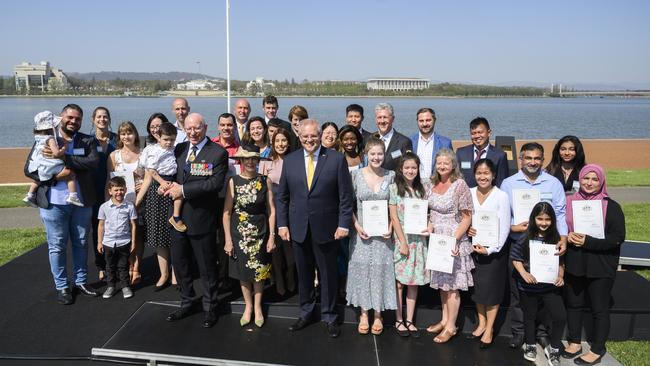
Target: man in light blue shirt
column 531, row 176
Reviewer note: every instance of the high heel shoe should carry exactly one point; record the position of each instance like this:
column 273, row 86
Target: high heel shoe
column 473, row 336
column 243, row 321
column 259, row 322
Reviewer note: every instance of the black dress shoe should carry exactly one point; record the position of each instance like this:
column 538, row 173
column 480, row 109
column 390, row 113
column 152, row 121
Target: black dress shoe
column 209, row 319
column 333, row 330
column 298, row 325
column 64, row 297
column 517, row 340
column 86, row 290
column 471, row 336
column 161, row 287
column 570, row 355
column 580, row 361
column 483, row 345
column 179, row 314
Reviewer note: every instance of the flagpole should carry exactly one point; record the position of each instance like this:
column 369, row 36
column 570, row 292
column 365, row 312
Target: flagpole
column 228, row 52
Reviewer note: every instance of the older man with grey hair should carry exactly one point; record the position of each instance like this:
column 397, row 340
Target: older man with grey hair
column 395, row 143
column 202, row 166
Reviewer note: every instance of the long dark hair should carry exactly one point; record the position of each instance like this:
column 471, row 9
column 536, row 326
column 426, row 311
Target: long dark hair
column 247, row 139
column 347, row 129
column 556, row 160
column 400, row 180
column 163, row 118
column 551, row 235
column 284, row 132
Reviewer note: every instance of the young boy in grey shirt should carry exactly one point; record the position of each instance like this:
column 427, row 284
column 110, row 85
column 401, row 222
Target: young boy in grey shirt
column 116, row 236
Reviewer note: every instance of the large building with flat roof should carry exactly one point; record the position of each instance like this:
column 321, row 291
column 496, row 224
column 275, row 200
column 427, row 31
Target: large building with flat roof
column 39, row 76
column 397, row 84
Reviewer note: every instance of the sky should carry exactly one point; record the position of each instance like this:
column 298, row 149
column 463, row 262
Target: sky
column 486, row 42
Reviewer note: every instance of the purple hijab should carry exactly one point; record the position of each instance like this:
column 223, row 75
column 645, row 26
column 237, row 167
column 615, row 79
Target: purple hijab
column 582, row 195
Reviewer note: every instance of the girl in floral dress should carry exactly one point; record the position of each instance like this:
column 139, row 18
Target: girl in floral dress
column 249, row 223
column 410, row 250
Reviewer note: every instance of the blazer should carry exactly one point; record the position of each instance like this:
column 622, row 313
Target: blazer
column 399, row 144
column 201, row 192
column 324, row 208
column 84, row 164
column 465, row 157
column 439, row 142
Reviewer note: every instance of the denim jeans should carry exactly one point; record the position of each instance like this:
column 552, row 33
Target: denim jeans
column 63, row 222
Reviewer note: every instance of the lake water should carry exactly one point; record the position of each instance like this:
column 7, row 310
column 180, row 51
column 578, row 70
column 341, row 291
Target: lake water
column 528, row 118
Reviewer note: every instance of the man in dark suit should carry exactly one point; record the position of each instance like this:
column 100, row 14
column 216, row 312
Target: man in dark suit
column 479, row 129
column 427, row 143
column 242, row 112
column 202, row 166
column 396, row 144
column 354, row 117
column 64, row 221
column 314, row 210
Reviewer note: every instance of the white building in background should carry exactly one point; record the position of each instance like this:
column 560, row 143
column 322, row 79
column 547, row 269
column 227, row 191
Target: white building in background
column 397, row 84
column 197, row 85
column 258, row 85
column 41, row 76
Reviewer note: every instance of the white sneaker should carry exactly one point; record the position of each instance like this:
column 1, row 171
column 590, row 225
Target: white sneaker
column 30, row 200
column 74, row 200
column 126, row 292
column 110, row 291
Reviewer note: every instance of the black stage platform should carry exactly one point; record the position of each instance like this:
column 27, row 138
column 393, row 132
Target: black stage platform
column 35, row 327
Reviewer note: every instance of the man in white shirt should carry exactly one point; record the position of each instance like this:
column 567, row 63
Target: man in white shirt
column 181, row 109
column 426, row 142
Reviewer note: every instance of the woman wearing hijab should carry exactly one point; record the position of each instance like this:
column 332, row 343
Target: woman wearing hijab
column 591, row 264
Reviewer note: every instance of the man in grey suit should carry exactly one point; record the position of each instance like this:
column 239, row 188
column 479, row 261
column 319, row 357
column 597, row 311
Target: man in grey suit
column 396, row 143
column 480, row 148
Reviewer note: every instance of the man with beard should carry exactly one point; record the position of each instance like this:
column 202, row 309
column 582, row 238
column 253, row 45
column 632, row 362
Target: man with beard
column 426, row 143
column 63, row 221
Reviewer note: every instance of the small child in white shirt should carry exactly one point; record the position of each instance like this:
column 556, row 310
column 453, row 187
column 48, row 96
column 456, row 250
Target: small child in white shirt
column 45, row 134
column 116, row 233
column 159, row 162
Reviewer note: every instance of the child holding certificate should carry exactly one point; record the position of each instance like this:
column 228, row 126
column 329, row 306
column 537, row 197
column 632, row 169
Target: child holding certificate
column 591, row 262
column 410, row 251
column 542, row 229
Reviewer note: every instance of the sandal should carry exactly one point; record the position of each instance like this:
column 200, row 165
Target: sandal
column 435, row 328
column 402, row 332
column 415, row 333
column 445, row 336
column 377, row 330
column 135, row 278
column 364, row 327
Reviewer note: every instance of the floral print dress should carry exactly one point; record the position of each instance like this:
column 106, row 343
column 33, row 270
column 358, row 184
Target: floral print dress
column 249, row 230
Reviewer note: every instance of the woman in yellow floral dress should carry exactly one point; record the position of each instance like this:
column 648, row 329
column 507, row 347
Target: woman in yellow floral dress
column 249, row 224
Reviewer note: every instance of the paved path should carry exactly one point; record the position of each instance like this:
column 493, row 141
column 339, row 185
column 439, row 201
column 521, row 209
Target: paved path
column 29, row 217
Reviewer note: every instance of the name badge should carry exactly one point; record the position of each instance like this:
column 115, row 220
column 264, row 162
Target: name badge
column 79, row 151
column 576, row 186
column 100, row 149
column 201, row 169
column 546, row 197
column 465, row 165
column 396, row 154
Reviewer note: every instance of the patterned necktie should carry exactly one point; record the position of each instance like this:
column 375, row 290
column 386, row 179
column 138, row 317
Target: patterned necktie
column 310, row 169
column 478, row 155
column 192, row 156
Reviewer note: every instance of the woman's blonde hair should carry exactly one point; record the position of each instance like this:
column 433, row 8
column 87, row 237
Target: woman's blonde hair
column 455, row 170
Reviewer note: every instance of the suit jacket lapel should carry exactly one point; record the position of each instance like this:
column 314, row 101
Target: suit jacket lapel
column 319, row 167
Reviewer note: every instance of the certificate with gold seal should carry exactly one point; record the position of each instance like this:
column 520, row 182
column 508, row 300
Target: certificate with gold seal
column 439, row 256
column 486, row 224
column 544, row 264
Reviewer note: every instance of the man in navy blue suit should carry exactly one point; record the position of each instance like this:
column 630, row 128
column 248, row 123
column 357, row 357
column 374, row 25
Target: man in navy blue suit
column 314, row 210
column 426, row 142
column 479, row 129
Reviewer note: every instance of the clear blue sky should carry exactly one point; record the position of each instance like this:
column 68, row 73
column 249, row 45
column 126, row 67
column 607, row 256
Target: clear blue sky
column 468, row 41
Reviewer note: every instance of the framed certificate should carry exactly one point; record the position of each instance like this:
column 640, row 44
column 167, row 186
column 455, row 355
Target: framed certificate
column 129, row 178
column 439, row 256
column 588, row 218
column 523, row 201
column 486, row 223
column 375, row 217
column 544, row 264
column 415, row 215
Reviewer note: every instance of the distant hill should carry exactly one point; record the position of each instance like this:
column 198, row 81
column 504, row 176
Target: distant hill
column 112, row 75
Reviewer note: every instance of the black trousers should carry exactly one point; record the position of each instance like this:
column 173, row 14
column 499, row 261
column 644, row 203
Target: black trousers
column 307, row 254
column 117, row 265
column 202, row 247
column 554, row 305
column 592, row 295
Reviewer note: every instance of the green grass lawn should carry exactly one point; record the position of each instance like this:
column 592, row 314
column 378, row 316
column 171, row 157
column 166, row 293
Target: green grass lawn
column 630, row 353
column 628, row 178
column 12, row 196
column 14, row 242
